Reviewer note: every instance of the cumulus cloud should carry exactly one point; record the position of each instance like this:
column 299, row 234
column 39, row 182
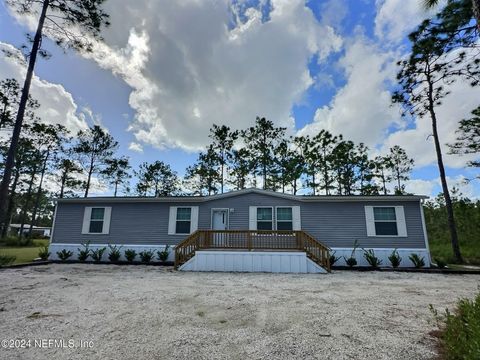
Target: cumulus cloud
column 396, row 18
column 361, row 110
column 133, row 146
column 57, row 104
column 189, row 67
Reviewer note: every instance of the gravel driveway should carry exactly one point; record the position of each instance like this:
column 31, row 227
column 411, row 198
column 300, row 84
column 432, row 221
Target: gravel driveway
column 145, row 312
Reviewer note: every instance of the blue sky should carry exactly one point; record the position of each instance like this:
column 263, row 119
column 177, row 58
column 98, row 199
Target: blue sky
column 162, row 77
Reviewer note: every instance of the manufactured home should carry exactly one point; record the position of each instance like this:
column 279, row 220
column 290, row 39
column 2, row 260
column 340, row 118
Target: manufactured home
column 247, row 230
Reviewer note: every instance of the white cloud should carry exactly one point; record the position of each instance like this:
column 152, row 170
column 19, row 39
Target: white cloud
column 396, row 18
column 57, row 104
column 188, row 70
column 361, row 110
column 133, row 146
column 433, row 187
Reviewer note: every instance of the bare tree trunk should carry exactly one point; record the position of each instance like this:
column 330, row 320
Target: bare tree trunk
column 62, row 186
column 27, row 201
column 476, row 12
column 11, row 204
column 313, row 183
column 10, row 161
column 446, row 193
column 39, row 193
column 90, row 171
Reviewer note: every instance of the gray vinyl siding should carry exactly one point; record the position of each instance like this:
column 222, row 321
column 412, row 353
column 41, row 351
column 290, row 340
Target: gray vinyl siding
column 337, row 224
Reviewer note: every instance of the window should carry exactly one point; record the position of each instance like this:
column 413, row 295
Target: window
column 183, row 220
column 96, row 220
column 385, row 221
column 264, row 218
column 284, row 218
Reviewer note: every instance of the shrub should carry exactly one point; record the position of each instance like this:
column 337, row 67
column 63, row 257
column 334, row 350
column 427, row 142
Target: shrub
column 98, row 254
column 146, row 256
column 6, row 260
column 43, row 253
column 417, row 261
column 352, row 261
column 440, row 263
column 395, row 259
column 460, row 331
column 163, row 255
column 372, row 260
column 333, row 259
column 114, row 254
column 17, row 241
column 64, row 254
column 84, row 253
column 130, row 255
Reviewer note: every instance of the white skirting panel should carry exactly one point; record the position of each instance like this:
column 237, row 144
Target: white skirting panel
column 382, row 254
column 252, row 261
column 74, row 248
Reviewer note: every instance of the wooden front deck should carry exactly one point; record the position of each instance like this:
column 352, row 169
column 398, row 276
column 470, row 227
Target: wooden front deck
column 252, row 240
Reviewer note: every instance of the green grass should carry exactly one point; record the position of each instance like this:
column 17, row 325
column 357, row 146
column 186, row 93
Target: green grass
column 24, row 254
column 459, row 333
column 443, row 250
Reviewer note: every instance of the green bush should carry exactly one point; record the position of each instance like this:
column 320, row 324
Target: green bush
column 333, row 259
column 64, row 254
column 17, row 241
column 98, row 254
column 372, row 260
column 460, row 331
column 114, row 254
column 417, row 261
column 43, row 253
column 352, row 260
column 84, row 253
column 6, row 260
column 146, row 256
column 130, row 255
column 440, row 263
column 395, row 259
column 163, row 255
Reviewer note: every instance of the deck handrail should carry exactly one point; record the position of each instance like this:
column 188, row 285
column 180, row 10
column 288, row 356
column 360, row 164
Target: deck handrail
column 283, row 240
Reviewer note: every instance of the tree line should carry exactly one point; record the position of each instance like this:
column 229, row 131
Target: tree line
column 264, row 156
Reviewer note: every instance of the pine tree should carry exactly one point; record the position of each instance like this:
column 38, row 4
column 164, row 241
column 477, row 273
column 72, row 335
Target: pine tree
column 223, row 140
column 94, row 147
column 116, row 173
column 422, row 78
column 400, row 166
column 156, row 179
column 468, row 138
column 71, row 24
column 261, row 140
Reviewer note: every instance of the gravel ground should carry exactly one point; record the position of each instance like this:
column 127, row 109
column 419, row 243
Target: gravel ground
column 146, row 312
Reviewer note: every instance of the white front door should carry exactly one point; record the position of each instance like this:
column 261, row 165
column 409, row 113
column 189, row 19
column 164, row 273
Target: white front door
column 220, row 219
column 220, row 222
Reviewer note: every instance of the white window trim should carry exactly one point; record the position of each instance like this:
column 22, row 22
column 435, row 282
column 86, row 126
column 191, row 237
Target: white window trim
column 399, row 218
column 256, row 216
column 296, row 217
column 212, row 210
column 107, row 214
column 172, row 221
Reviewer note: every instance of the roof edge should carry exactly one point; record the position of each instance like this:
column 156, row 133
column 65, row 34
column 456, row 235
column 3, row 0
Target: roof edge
column 302, row 198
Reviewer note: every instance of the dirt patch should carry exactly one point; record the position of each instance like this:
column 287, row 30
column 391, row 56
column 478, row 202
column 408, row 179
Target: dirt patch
column 152, row 312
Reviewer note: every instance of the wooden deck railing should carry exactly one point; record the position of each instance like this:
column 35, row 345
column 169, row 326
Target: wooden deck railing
column 252, row 240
